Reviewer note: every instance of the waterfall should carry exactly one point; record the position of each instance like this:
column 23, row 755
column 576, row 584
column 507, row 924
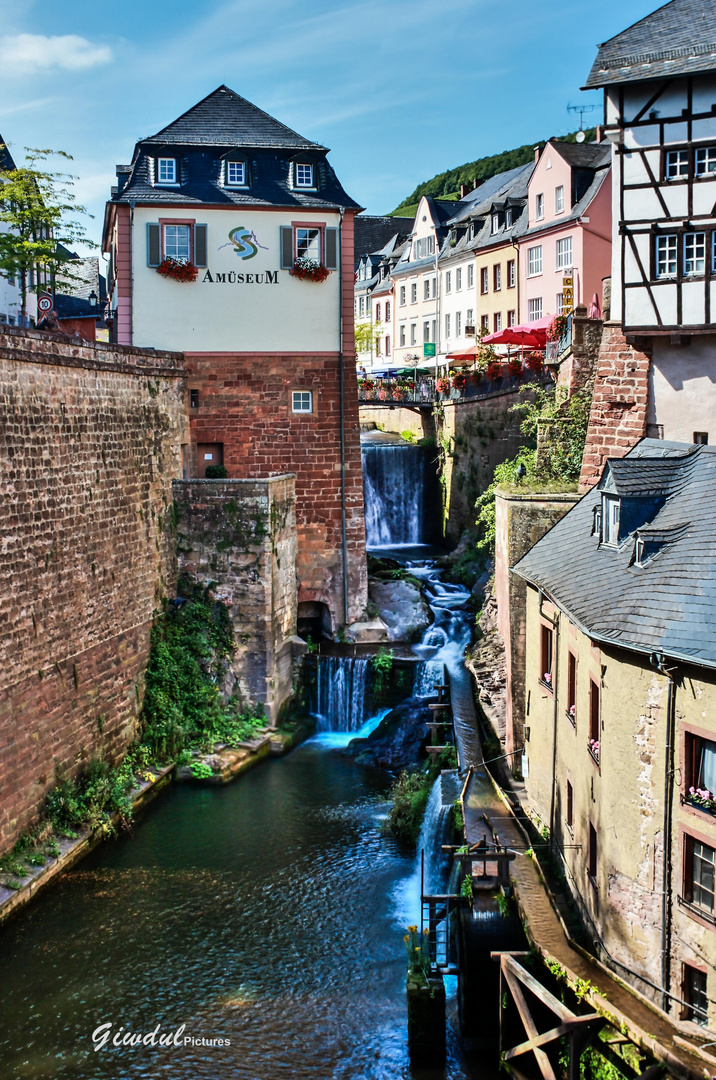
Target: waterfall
column 394, row 478
column 428, row 676
column 341, row 693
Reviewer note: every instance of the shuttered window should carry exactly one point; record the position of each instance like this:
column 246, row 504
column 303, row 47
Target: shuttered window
column 200, row 245
column 153, row 250
column 286, row 247
column 331, row 249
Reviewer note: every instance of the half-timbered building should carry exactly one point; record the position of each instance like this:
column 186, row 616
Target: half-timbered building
column 659, row 83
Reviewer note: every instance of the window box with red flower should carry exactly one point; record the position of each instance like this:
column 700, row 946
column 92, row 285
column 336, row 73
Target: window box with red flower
column 557, row 328
column 494, row 370
column 309, row 270
column 514, row 367
column 178, row 270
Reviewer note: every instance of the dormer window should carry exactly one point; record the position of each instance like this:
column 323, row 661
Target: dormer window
column 639, row 552
column 610, row 520
column 508, row 219
column 166, row 170
column 304, row 175
column 236, row 173
column 495, row 223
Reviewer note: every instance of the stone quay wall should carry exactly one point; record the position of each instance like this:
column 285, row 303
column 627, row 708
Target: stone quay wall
column 244, row 402
column 241, row 536
column 90, row 441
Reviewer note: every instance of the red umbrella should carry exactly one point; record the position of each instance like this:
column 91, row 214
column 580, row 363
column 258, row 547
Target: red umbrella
column 466, row 357
column 533, row 335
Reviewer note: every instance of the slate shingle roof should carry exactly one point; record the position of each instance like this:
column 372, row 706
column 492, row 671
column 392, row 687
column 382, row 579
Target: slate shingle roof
column 199, row 139
column 225, row 119
column 677, row 39
column 372, row 233
column 72, row 296
column 6, row 161
column 669, row 603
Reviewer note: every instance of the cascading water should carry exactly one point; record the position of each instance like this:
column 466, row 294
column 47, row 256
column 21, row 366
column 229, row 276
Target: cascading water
column 394, row 481
column 431, row 865
column 341, row 693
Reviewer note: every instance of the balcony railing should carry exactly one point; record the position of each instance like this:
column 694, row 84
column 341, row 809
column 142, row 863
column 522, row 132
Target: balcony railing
column 555, row 350
column 424, row 391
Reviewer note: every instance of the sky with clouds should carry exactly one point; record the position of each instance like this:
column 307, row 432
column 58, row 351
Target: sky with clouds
column 399, row 89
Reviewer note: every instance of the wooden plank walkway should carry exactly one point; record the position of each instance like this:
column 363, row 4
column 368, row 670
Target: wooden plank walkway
column 623, row 1007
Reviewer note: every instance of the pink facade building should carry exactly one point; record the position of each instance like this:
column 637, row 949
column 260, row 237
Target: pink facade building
column 569, row 230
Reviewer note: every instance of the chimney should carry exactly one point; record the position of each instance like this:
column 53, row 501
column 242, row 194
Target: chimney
column 600, row 133
column 474, row 184
column 463, row 190
column 537, row 153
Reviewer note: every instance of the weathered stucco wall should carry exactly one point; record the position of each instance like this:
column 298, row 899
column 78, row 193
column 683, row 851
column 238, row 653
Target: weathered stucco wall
column 241, row 535
column 90, row 442
column 520, row 521
column 682, row 388
column 621, row 796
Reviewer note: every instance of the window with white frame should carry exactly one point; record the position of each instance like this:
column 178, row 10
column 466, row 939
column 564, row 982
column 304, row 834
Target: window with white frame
column 308, row 244
column 401, row 339
column 539, row 206
column 511, row 318
column 387, row 346
column 564, row 253
column 177, row 242
column 470, row 317
column 387, row 310
column 485, row 322
column 694, row 253
column 236, row 173
column 483, row 279
column 511, row 274
column 166, row 170
column 433, row 287
column 559, row 199
column 677, row 164
column 458, row 323
column 534, row 260
column 426, row 331
column 705, row 160
column 413, row 333
column 377, row 312
column 666, row 255
column 361, row 305
column 302, row 401
column 497, row 277
column 509, row 218
column 497, row 324
column 559, row 303
column 447, row 326
column 448, row 281
column 610, row 519
column 426, row 288
column 534, row 309
column 413, row 292
column 458, row 279
column 304, row 175
column 424, row 246
column 495, row 224
column 402, row 295
column 471, row 277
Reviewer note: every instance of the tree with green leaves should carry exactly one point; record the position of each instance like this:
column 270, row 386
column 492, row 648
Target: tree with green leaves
column 40, row 212
column 366, row 337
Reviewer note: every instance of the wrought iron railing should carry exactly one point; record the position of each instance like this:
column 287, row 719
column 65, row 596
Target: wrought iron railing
column 425, row 392
column 555, row 350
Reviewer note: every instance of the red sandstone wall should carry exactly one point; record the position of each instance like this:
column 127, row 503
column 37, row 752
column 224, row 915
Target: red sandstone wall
column 245, row 403
column 617, row 420
column 90, row 440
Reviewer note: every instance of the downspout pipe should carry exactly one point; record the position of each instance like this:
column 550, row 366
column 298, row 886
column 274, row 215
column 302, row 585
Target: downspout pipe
column 657, row 661
column 555, row 684
column 341, row 390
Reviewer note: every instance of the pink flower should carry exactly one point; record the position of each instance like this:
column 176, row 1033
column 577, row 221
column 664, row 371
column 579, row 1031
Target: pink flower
column 548, row 676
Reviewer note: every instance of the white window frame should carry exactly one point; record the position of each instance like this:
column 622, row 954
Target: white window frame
column 509, row 216
column 448, row 281
column 401, row 336
column 471, row 276
column 413, row 333
column 704, row 160
column 512, row 318
column 559, row 303
column 402, row 295
column 677, row 164
column 694, row 263
column 497, row 277
column 303, row 179
column 495, row 224
column 534, row 309
column 497, row 321
column 470, row 317
column 426, row 331
column 667, row 255
column 162, row 162
column 534, row 261
column 171, row 240
column 539, row 206
column 447, row 325
column 426, row 288
column 311, row 244
column 234, row 182
column 484, row 280
column 458, row 324
column 565, row 253
column 611, row 512
column 387, row 310
column 413, row 292
column 559, row 199
column 511, row 273
column 458, row 279
column 485, row 322
column 302, row 401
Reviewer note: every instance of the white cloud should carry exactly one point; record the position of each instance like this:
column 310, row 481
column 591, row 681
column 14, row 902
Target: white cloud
column 30, row 53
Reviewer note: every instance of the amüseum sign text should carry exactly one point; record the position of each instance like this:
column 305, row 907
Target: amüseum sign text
column 231, row 277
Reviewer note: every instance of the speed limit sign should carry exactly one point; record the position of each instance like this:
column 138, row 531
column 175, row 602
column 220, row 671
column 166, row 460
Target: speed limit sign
column 44, row 304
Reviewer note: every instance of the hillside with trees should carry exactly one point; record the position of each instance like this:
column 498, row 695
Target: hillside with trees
column 446, row 185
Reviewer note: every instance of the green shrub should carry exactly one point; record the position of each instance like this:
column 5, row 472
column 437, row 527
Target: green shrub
column 216, row 472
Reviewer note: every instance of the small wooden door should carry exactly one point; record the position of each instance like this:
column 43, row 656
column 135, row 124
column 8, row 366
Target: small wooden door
column 208, row 454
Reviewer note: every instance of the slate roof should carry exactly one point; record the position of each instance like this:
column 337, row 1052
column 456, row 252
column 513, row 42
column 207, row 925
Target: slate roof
column 503, row 189
column 372, row 233
column 668, row 604
column 72, row 296
column 598, row 177
column 6, row 161
column 223, row 118
column 583, row 155
column 199, row 139
column 478, row 201
column 677, row 39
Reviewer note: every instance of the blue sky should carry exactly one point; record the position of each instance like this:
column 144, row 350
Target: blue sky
column 399, row 89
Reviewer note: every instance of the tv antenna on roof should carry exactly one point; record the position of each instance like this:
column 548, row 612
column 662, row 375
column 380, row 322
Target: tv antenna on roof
column 581, row 109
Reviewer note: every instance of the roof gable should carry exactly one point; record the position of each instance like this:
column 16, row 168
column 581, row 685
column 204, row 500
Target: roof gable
column 223, row 118
column 677, row 39
column 6, row 161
